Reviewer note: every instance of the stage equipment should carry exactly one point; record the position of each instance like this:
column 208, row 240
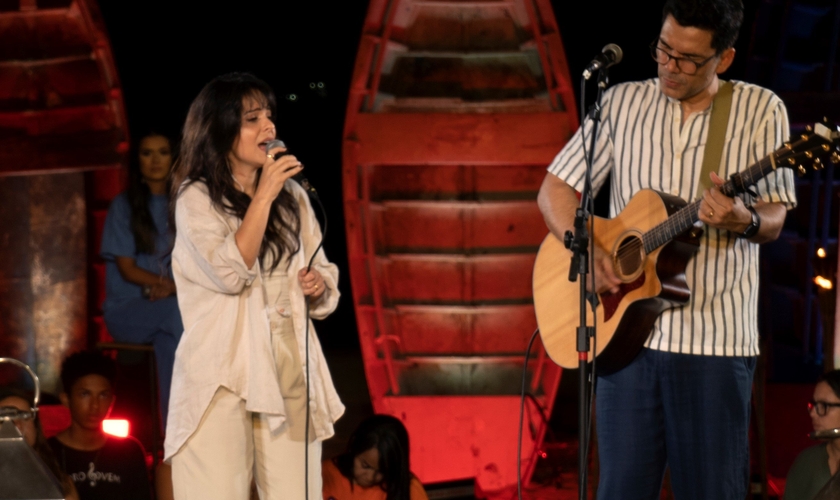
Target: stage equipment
column 25, row 477
column 610, row 55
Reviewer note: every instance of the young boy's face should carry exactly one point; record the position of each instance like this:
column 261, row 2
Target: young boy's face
column 90, row 401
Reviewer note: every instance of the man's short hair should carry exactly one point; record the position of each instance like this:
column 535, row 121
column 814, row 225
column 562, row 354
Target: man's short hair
column 85, row 363
column 722, row 17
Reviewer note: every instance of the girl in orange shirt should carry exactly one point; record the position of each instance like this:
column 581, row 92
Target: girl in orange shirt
column 375, row 465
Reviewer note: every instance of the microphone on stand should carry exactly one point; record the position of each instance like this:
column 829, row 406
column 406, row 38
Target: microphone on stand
column 299, row 177
column 611, row 54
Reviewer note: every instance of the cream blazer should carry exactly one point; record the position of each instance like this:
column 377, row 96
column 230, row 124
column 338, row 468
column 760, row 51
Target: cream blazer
column 227, row 338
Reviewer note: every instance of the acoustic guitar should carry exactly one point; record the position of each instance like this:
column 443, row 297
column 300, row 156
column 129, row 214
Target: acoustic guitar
column 650, row 243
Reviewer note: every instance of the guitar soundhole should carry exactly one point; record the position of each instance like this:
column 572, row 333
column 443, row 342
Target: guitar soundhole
column 628, row 258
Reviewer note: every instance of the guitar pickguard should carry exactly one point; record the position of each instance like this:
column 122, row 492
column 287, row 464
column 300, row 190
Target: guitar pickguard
column 610, row 301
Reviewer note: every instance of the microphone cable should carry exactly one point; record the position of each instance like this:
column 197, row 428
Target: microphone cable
column 522, row 415
column 312, row 195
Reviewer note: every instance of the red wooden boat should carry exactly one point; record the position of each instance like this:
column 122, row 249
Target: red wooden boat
column 456, row 108
column 63, row 145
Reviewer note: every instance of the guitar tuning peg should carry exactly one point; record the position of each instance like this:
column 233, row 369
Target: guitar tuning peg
column 809, row 128
column 804, row 137
column 826, row 147
column 791, row 161
column 835, row 158
column 816, row 166
column 809, row 154
column 801, row 170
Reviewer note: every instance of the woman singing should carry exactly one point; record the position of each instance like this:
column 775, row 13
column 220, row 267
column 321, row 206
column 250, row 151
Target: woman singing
column 245, row 233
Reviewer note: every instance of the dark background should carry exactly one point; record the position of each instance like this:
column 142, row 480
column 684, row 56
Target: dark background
column 166, row 51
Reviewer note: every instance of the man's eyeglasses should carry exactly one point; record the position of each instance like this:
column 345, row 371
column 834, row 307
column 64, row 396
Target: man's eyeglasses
column 821, row 407
column 687, row 66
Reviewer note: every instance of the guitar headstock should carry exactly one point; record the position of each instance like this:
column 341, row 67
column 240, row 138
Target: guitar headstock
column 818, row 144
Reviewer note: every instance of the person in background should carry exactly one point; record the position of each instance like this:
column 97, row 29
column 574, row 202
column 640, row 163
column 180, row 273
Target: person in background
column 33, row 435
column 102, row 467
column 140, row 305
column 375, row 465
column 815, row 466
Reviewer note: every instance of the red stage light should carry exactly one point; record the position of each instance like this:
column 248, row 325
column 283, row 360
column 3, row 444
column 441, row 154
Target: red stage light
column 115, row 427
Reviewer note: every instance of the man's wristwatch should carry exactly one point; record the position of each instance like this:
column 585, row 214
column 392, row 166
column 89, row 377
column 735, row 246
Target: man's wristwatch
column 755, row 224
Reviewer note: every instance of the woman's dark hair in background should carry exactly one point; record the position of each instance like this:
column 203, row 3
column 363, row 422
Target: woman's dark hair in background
column 388, row 435
column 831, row 378
column 41, row 447
column 213, row 124
column 142, row 224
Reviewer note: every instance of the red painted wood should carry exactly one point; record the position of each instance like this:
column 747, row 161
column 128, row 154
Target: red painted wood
column 61, row 111
column 454, row 111
column 448, row 138
column 448, row 279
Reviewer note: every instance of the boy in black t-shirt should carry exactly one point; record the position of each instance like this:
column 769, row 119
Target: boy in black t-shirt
column 102, row 467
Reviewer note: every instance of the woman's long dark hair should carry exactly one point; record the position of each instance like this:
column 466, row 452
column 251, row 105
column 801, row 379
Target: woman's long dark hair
column 142, row 224
column 213, row 124
column 388, row 435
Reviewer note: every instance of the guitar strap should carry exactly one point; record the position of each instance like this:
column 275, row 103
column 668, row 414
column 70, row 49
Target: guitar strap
column 718, row 122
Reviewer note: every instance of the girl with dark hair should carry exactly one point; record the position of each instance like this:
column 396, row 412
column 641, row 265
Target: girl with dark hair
column 140, row 305
column 33, row 434
column 814, row 467
column 375, row 465
column 245, row 234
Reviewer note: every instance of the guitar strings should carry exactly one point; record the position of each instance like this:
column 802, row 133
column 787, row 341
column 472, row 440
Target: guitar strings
column 659, row 234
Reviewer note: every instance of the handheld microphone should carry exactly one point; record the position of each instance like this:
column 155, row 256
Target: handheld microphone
column 303, row 181
column 611, row 54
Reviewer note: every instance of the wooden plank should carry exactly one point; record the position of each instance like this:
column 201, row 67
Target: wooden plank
column 456, row 279
column 451, row 139
column 419, row 227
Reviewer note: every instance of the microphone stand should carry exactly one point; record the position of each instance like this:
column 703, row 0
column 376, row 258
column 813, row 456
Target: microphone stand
column 580, row 242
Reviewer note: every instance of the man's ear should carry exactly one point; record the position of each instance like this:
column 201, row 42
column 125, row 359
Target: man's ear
column 64, row 399
column 726, row 58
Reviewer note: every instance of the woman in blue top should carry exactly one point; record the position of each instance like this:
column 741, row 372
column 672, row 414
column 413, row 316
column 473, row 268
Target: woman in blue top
column 140, row 304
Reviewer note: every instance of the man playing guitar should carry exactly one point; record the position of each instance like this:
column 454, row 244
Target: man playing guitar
column 684, row 401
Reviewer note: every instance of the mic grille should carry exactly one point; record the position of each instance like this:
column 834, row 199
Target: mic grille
column 615, row 50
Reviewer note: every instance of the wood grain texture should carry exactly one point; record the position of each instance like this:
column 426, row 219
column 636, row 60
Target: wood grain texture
column 622, row 334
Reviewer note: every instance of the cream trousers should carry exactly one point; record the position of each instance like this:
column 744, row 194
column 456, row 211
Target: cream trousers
column 231, row 446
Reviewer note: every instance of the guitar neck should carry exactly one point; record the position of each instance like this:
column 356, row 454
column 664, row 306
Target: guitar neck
column 686, row 217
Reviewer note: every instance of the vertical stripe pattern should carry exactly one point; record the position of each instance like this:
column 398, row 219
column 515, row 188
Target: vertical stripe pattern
column 644, row 144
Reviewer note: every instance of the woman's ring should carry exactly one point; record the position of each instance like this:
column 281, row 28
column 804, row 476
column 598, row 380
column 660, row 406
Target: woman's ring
column 711, row 213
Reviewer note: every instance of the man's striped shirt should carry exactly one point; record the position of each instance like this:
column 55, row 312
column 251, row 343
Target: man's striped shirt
column 643, row 143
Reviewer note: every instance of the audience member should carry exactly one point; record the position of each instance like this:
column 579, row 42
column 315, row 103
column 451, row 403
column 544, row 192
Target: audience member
column 101, row 466
column 815, row 466
column 375, row 465
column 140, row 305
column 33, row 435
